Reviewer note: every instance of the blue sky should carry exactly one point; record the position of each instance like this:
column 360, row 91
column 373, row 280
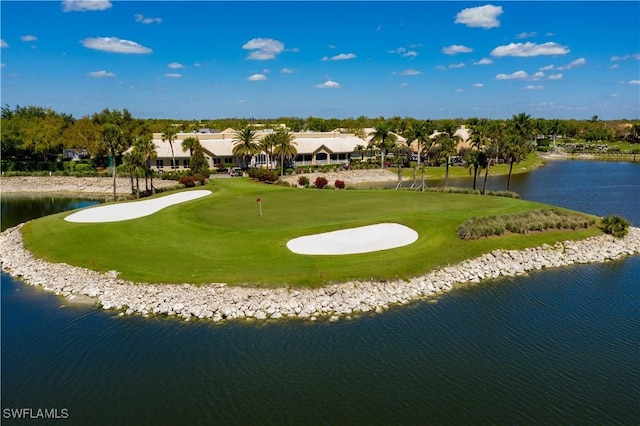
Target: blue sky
column 203, row 59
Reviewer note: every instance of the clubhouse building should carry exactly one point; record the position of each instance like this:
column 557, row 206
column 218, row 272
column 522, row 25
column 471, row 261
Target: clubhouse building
column 314, row 148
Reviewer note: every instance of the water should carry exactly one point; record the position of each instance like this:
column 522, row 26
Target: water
column 555, row 347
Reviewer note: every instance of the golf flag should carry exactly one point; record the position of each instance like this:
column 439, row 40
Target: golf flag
column 260, row 204
column 258, row 200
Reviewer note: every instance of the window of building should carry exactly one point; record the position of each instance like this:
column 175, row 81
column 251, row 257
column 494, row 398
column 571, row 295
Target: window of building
column 159, row 164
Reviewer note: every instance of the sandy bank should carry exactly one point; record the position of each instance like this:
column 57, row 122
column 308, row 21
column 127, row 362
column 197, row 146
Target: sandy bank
column 217, row 301
column 72, row 185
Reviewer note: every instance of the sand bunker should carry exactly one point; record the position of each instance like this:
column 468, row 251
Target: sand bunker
column 133, row 210
column 364, row 239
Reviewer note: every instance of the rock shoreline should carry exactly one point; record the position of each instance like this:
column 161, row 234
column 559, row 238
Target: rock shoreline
column 219, row 302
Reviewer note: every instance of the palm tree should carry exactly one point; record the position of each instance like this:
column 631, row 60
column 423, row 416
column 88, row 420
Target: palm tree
column 476, row 160
column 245, row 143
column 190, row 144
column 384, row 139
column 134, row 165
column 285, row 147
column 149, row 153
column 112, row 140
column 420, row 132
column 267, row 144
column 170, row 135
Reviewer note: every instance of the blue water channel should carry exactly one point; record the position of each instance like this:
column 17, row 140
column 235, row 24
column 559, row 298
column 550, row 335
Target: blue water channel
column 554, row 347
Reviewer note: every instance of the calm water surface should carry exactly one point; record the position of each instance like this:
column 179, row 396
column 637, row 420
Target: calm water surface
column 555, row 347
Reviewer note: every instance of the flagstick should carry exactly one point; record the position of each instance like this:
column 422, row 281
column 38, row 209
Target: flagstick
column 260, row 202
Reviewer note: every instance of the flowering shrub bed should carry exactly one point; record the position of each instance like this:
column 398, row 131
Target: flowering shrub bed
column 339, row 184
column 320, row 182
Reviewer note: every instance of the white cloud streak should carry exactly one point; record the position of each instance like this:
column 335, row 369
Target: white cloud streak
column 484, row 61
column 456, row 48
column 263, row 48
column 28, row 38
column 85, row 5
column 175, row 66
column 115, row 45
column 101, row 74
column 521, row 75
column 480, row 17
column 329, row 84
column 173, row 75
column 411, row 72
column 340, row 57
column 140, row 18
column 573, row 64
column 529, row 49
column 3, row 44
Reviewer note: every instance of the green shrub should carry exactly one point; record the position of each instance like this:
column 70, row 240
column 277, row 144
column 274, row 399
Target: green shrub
column 263, row 175
column 303, row 181
column 522, row 223
column 615, row 225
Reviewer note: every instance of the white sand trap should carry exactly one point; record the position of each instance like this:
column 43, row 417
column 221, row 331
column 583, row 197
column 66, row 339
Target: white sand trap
column 364, row 239
column 133, row 210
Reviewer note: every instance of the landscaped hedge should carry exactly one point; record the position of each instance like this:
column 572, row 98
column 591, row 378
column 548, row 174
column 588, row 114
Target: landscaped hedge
column 522, row 223
column 264, row 175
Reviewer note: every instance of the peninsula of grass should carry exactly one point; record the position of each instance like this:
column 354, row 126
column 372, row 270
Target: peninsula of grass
column 222, row 237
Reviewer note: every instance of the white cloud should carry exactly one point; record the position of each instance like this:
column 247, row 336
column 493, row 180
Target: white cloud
column 526, row 35
column 101, row 74
column 546, row 68
column 114, row 44
column 478, row 85
column 257, row 77
column 411, row 72
column 331, row 46
column 577, row 63
column 483, row 61
column 288, row 71
column 555, row 76
column 27, row 38
column 197, row 64
column 516, row 75
column 142, row 19
column 263, row 48
column 614, row 66
column 3, row 44
column 173, row 75
column 459, row 90
column 482, row 16
column 625, row 57
column 175, row 66
column 456, row 48
column 537, row 76
column 340, row 57
column 530, row 87
column 329, row 84
column 635, row 82
column 530, row 49
column 403, row 85
column 2, row 65
column 85, row 5
column 402, row 51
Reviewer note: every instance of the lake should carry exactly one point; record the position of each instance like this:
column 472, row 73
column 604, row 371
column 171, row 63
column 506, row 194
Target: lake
column 554, row 347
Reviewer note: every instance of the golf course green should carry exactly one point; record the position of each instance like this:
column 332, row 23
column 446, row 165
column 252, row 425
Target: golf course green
column 222, row 238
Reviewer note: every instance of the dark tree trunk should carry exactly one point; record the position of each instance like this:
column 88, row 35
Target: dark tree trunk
column 510, row 170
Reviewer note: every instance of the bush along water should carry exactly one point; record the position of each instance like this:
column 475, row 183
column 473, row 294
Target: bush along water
column 522, row 223
column 615, row 225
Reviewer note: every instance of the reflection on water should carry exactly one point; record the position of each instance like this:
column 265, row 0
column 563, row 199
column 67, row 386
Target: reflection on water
column 20, row 208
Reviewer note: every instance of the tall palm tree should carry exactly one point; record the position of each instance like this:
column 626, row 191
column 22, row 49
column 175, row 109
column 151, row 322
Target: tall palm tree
column 420, row 132
column 169, row 136
column 267, row 144
column 111, row 136
column 245, row 143
column 384, row 139
column 149, row 153
column 190, row 144
column 285, row 147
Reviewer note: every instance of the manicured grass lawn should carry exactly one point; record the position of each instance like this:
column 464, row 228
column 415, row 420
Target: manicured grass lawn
column 532, row 162
column 222, row 238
